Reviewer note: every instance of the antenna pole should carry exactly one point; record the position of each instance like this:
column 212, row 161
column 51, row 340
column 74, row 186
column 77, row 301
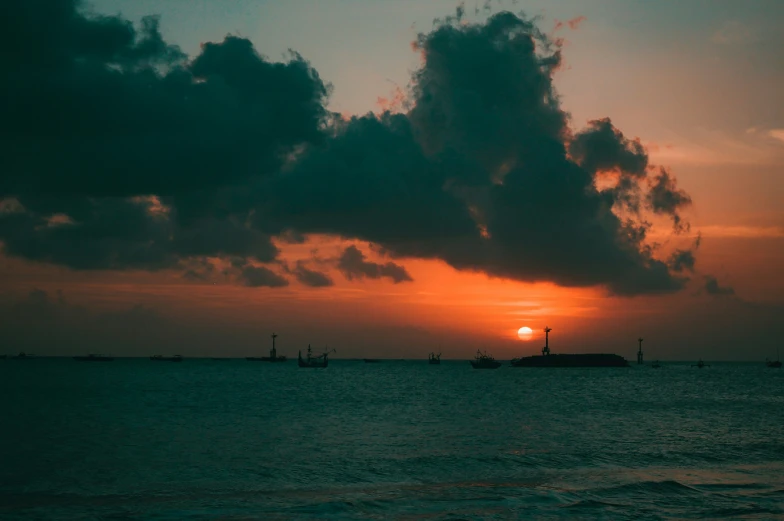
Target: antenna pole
column 639, row 352
column 273, row 354
column 546, row 348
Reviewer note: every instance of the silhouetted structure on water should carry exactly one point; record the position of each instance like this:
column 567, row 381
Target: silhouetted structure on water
column 569, row 360
column 273, row 357
column 700, row 364
column 321, row 360
column 161, row 358
column 639, row 352
column 94, row 358
column 371, row 360
column 775, row 364
column 484, row 361
column 434, row 359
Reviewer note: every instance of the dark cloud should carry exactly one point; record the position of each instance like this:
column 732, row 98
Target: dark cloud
column 314, row 279
column 713, row 288
column 665, row 198
column 353, row 265
column 259, row 276
column 682, row 260
column 122, row 153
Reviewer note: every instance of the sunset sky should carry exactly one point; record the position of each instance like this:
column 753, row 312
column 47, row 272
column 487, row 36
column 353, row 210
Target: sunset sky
column 611, row 169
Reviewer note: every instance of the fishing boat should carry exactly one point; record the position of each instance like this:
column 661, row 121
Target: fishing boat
column 484, row 361
column 321, row 360
column 94, row 357
column 273, row 357
column 700, row 364
column 775, row 364
column 161, row 358
column 434, row 359
column 655, row 364
column 569, row 360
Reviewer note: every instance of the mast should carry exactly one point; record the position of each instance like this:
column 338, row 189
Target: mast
column 546, row 348
column 273, row 353
column 639, row 352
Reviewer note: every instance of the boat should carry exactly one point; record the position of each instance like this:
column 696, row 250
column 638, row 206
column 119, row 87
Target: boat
column 321, row 360
column 700, row 364
column 775, row 364
column 219, row 359
column 434, row 359
column 161, row 358
column 273, row 357
column 655, row 364
column 94, row 357
column 548, row 359
column 484, row 361
column 23, row 356
column 372, row 360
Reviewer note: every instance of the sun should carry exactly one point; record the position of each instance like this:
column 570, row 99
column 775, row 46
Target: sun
column 525, row 333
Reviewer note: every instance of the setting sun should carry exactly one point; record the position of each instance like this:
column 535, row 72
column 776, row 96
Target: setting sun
column 525, row 333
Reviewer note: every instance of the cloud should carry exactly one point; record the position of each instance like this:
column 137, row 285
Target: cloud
column 665, row 198
column 682, row 260
column 353, row 265
column 314, row 279
column 259, row 276
column 713, row 288
column 733, row 32
column 573, row 24
column 152, row 159
column 777, row 133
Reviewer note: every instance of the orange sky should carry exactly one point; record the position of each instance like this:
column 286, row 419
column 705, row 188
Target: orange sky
column 684, row 107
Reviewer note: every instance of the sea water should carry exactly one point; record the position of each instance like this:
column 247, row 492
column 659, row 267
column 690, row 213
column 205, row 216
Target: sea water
column 238, row 440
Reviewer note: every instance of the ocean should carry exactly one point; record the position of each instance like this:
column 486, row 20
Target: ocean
column 238, row 440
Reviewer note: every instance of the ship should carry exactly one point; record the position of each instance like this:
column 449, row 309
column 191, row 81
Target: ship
column 273, row 357
column 319, row 361
column 93, row 357
column 484, row 361
column 548, row 359
column 23, row 356
column 655, row 364
column 371, row 360
column 700, row 364
column 775, row 364
column 434, row 359
column 161, row 358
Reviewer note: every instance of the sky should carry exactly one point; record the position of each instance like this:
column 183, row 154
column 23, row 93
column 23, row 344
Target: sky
column 391, row 178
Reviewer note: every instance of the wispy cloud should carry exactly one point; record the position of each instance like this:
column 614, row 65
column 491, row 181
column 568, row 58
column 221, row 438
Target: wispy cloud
column 733, row 32
column 777, row 133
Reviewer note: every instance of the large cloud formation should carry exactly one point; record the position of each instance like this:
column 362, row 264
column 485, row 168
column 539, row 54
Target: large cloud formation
column 120, row 152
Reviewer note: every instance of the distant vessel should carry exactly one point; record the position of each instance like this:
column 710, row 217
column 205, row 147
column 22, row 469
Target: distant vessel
column 23, row 356
column 701, row 364
column 273, row 357
column 774, row 363
column 321, row 360
column 94, row 358
column 434, row 359
column 572, row 360
column 484, row 361
column 161, row 358
column 371, row 360
column 220, row 359
column 655, row 364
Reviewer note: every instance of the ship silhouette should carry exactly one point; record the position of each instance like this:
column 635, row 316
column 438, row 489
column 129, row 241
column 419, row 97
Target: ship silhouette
column 484, row 361
column 321, row 360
